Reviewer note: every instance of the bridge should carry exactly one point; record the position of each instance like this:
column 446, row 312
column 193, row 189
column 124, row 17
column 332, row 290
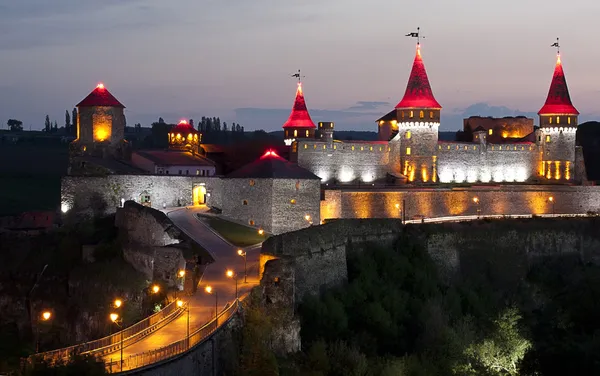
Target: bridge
column 177, row 329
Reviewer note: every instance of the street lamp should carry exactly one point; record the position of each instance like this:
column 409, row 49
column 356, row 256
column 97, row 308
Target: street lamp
column 210, row 290
column 118, row 303
column 308, row 219
column 181, row 273
column 231, row 274
column 261, row 231
column 476, row 201
column 551, row 200
column 45, row 316
column 242, row 253
column 180, row 304
column 114, row 317
column 155, row 289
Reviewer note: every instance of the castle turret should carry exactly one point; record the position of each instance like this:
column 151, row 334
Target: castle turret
column 184, row 137
column 299, row 124
column 416, row 126
column 558, row 125
column 325, row 132
column 100, row 125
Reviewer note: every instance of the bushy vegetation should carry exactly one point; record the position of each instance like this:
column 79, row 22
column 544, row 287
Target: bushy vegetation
column 398, row 316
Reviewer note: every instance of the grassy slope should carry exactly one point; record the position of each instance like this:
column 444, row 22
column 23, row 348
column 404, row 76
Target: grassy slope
column 236, row 234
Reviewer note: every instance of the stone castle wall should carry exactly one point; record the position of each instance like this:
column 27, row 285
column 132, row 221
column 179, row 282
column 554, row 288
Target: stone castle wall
column 248, row 201
column 103, row 194
column 344, row 161
column 96, row 123
column 558, row 146
column 472, row 162
column 290, row 215
column 441, row 202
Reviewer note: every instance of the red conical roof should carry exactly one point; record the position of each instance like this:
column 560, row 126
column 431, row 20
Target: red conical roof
column 559, row 100
column 183, row 127
column 418, row 91
column 100, row 97
column 299, row 118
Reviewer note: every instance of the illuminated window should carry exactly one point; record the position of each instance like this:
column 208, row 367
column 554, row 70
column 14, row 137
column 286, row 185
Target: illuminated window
column 305, row 146
column 352, row 147
column 547, row 138
column 371, row 148
column 474, row 147
column 245, row 202
column 295, row 133
column 324, row 146
column 410, row 114
column 448, row 147
column 558, row 120
column 465, row 147
column 490, row 131
column 408, row 135
column 569, row 120
column 293, row 201
column 362, row 148
column 298, row 185
column 334, row 147
column 431, row 114
column 439, row 147
column 252, row 183
column 307, row 133
column 407, row 151
column 320, row 125
column 550, row 119
column 314, row 146
column 251, row 222
column 421, row 115
column 402, row 114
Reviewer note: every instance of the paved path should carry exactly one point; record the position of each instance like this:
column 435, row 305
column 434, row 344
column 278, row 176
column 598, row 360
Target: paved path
column 202, row 304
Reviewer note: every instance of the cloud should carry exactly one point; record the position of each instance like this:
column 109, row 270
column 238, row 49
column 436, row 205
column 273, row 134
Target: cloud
column 369, row 106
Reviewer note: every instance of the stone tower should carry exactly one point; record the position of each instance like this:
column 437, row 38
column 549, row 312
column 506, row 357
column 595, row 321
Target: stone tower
column 299, row 124
column 415, row 127
column 558, row 125
column 325, row 131
column 184, row 137
column 100, row 126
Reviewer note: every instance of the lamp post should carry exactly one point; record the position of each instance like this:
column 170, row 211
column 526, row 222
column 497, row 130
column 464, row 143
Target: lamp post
column 45, row 316
column 210, row 290
column 231, row 274
column 187, row 308
column 114, row 317
column 476, row 201
column 551, row 200
column 308, row 219
column 242, row 253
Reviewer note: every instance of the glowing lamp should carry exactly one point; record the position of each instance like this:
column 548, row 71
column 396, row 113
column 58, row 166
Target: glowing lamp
column 229, row 273
column 46, row 315
column 261, row 231
column 183, row 122
column 550, row 198
column 179, row 303
column 240, row 252
column 208, row 289
column 476, row 200
column 114, row 317
column 307, row 217
column 100, row 86
column 155, row 289
column 181, row 273
column 118, row 303
column 397, row 206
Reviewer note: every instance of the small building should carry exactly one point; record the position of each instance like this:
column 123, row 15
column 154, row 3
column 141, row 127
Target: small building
column 273, row 194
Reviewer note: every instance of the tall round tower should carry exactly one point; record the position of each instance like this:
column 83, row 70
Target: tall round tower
column 558, row 125
column 415, row 129
column 299, row 124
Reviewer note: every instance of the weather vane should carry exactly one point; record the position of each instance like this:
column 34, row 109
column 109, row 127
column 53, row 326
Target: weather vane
column 557, row 45
column 416, row 35
column 298, row 76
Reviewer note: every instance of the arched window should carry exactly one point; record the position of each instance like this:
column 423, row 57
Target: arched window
column 307, row 133
column 558, row 120
column 295, row 133
column 410, row 114
column 550, row 119
column 402, row 114
column 431, row 114
column 421, row 115
column 252, row 183
column 408, row 135
column 569, row 120
column 245, row 202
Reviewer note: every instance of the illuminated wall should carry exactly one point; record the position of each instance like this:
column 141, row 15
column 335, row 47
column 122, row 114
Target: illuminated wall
column 558, row 145
column 344, row 161
column 99, row 124
column 417, row 143
column 500, row 200
column 480, row 162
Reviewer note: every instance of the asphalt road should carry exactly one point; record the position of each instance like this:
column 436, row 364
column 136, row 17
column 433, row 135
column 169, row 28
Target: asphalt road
column 202, row 304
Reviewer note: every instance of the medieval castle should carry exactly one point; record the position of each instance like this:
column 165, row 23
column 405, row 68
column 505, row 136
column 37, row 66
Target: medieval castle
column 502, row 166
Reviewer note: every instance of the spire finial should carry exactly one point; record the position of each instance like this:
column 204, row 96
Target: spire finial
column 557, row 45
column 298, row 76
column 416, row 35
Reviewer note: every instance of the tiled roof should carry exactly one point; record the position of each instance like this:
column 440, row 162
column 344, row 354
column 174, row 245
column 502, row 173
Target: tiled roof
column 100, row 97
column 174, row 158
column 418, row 91
column 272, row 166
column 558, row 100
column 299, row 117
column 183, row 127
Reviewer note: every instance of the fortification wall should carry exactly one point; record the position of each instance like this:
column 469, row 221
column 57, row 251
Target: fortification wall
column 441, row 202
column 103, row 194
column 292, row 201
column 473, row 162
column 344, row 161
column 249, row 201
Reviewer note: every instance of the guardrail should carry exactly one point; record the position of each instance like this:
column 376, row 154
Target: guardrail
column 176, row 348
column 459, row 218
column 112, row 342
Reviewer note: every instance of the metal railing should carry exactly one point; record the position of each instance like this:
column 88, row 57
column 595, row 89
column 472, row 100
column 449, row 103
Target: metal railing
column 112, row 342
column 175, row 348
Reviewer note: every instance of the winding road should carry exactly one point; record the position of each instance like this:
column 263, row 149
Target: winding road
column 202, row 304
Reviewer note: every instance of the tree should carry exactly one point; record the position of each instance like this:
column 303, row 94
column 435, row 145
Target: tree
column 191, row 123
column 55, row 126
column 225, row 127
column 67, row 121
column 47, row 124
column 138, row 127
column 160, row 120
column 74, row 121
column 216, row 124
column 15, row 125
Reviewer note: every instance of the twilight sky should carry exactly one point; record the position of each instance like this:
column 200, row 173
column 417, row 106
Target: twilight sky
column 233, row 58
